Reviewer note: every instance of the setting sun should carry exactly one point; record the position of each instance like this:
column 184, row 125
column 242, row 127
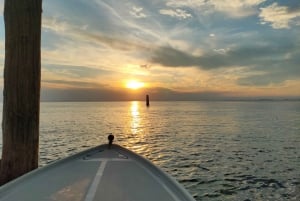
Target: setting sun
column 133, row 84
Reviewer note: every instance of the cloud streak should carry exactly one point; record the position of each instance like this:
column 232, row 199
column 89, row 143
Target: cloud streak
column 231, row 8
column 177, row 13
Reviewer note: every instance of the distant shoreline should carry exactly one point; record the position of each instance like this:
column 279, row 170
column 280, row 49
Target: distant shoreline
column 167, row 100
column 221, row 100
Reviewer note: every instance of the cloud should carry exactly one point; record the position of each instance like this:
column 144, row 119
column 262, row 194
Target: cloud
column 275, row 75
column 118, row 21
column 280, row 17
column 236, row 8
column 75, row 71
column 239, row 56
column 70, row 84
column 231, row 8
column 110, row 18
column 178, row 13
column 137, row 12
column 75, row 33
column 268, row 63
column 114, row 42
column 55, row 24
column 71, row 45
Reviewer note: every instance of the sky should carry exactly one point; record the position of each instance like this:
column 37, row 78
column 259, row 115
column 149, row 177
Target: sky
column 173, row 49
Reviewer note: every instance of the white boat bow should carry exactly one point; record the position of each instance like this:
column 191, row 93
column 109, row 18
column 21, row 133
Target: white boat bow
column 106, row 173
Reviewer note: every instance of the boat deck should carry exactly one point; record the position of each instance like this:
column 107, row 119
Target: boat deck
column 98, row 174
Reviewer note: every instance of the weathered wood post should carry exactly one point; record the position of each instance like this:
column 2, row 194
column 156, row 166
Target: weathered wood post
column 21, row 96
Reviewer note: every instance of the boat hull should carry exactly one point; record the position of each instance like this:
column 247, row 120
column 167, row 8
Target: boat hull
column 106, row 173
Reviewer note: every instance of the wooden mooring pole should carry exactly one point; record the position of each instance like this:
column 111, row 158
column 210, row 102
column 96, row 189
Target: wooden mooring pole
column 147, row 101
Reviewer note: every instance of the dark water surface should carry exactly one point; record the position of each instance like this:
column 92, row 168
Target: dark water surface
column 217, row 150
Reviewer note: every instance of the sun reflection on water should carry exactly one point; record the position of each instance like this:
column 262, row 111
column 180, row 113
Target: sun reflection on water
column 135, row 117
column 138, row 135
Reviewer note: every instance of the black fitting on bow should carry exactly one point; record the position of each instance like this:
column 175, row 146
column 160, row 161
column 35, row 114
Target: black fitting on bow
column 110, row 140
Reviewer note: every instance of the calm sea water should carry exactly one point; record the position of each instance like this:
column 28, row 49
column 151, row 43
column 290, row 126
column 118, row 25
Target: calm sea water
column 217, row 150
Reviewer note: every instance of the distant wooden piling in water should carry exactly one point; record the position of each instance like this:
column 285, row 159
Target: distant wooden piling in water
column 147, row 101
